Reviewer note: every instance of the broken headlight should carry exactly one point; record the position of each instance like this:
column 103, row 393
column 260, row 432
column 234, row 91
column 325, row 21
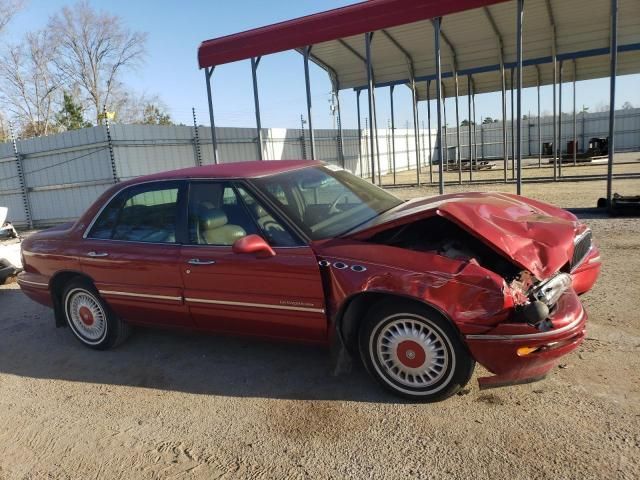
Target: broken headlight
column 550, row 291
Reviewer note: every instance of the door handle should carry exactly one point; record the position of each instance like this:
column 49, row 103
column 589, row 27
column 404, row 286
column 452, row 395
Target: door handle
column 197, row 261
column 97, row 254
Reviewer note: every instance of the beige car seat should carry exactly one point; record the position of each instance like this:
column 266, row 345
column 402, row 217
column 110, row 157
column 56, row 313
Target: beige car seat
column 271, row 227
column 214, row 229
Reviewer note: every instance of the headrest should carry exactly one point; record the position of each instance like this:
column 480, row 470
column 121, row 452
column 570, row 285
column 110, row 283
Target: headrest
column 212, row 218
column 260, row 211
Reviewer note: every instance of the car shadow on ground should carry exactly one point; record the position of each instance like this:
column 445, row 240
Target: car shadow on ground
column 31, row 346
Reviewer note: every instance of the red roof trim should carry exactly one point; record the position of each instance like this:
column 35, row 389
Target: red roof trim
column 249, row 169
column 330, row 25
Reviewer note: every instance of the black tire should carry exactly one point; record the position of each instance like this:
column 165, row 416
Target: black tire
column 413, row 351
column 89, row 317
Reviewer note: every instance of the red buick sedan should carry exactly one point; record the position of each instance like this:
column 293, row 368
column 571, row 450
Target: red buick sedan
column 305, row 252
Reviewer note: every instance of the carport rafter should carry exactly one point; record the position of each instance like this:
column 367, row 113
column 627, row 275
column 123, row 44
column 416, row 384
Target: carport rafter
column 595, row 52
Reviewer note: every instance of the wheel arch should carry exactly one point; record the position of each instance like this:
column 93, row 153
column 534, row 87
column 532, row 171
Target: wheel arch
column 355, row 308
column 56, row 287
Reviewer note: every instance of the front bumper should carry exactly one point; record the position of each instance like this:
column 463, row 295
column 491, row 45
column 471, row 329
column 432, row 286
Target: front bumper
column 584, row 276
column 498, row 349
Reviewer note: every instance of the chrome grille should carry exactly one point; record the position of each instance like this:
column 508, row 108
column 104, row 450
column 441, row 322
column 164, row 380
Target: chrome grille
column 582, row 245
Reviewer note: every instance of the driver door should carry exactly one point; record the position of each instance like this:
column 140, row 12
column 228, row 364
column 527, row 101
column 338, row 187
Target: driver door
column 279, row 296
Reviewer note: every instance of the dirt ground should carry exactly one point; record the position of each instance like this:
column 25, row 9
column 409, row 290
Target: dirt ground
column 168, row 405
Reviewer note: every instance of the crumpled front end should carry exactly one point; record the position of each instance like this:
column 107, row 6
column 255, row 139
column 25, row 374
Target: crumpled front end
column 548, row 321
column 520, row 353
column 506, row 271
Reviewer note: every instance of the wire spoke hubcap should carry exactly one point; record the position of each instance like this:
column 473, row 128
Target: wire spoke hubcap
column 412, row 352
column 87, row 315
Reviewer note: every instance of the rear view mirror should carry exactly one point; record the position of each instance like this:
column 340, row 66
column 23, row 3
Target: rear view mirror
column 253, row 244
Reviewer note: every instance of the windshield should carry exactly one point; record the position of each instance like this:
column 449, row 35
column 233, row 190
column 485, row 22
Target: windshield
column 326, row 201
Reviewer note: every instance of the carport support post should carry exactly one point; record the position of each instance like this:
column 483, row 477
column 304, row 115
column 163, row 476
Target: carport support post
column 374, row 128
column 519, row 96
column 560, row 121
column 359, row 133
column 458, row 157
column 505, row 155
column 367, row 42
column 429, row 128
column 339, row 124
column 306, row 51
column 469, row 128
column 575, row 129
column 255, row 61
column 613, row 65
column 208, row 72
column 393, row 134
column 555, row 125
column 414, row 107
column 436, row 28
column 513, row 130
column 539, row 129
column 475, row 126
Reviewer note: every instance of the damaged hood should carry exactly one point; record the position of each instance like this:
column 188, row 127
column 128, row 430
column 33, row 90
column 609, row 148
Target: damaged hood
column 537, row 236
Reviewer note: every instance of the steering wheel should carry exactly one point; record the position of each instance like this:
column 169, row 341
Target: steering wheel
column 334, row 204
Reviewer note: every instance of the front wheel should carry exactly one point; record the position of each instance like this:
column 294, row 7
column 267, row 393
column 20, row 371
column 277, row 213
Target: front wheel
column 414, row 352
column 90, row 318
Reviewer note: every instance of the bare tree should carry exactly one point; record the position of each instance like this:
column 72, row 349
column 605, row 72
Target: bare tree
column 4, row 129
column 94, row 48
column 140, row 109
column 8, row 9
column 28, row 85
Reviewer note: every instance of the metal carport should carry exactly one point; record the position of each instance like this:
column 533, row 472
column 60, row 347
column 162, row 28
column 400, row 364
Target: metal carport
column 473, row 43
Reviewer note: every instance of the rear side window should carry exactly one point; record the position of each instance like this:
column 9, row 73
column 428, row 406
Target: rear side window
column 140, row 214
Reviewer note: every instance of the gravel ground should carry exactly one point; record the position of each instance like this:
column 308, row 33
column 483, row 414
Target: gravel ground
column 170, row 405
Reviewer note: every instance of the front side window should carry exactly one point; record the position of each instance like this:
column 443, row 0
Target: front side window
column 216, row 217
column 326, row 202
column 140, row 214
column 220, row 214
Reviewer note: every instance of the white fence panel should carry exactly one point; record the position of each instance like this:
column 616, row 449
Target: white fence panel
column 66, row 172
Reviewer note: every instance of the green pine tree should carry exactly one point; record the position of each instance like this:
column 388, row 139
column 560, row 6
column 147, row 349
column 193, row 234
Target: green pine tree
column 70, row 116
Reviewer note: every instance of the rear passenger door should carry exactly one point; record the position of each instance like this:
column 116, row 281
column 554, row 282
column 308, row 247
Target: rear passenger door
column 132, row 253
column 248, row 294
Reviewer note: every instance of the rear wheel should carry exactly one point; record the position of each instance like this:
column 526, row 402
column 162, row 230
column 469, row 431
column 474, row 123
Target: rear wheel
column 90, row 318
column 414, row 352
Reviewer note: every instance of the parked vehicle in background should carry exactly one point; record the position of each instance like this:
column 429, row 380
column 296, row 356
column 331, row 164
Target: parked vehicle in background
column 10, row 263
column 305, row 252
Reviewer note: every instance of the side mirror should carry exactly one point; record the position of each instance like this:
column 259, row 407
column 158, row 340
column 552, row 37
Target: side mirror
column 253, row 244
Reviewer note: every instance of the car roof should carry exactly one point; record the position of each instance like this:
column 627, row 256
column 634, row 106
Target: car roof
column 252, row 169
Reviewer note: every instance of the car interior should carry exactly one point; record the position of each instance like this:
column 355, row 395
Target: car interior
column 217, row 216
